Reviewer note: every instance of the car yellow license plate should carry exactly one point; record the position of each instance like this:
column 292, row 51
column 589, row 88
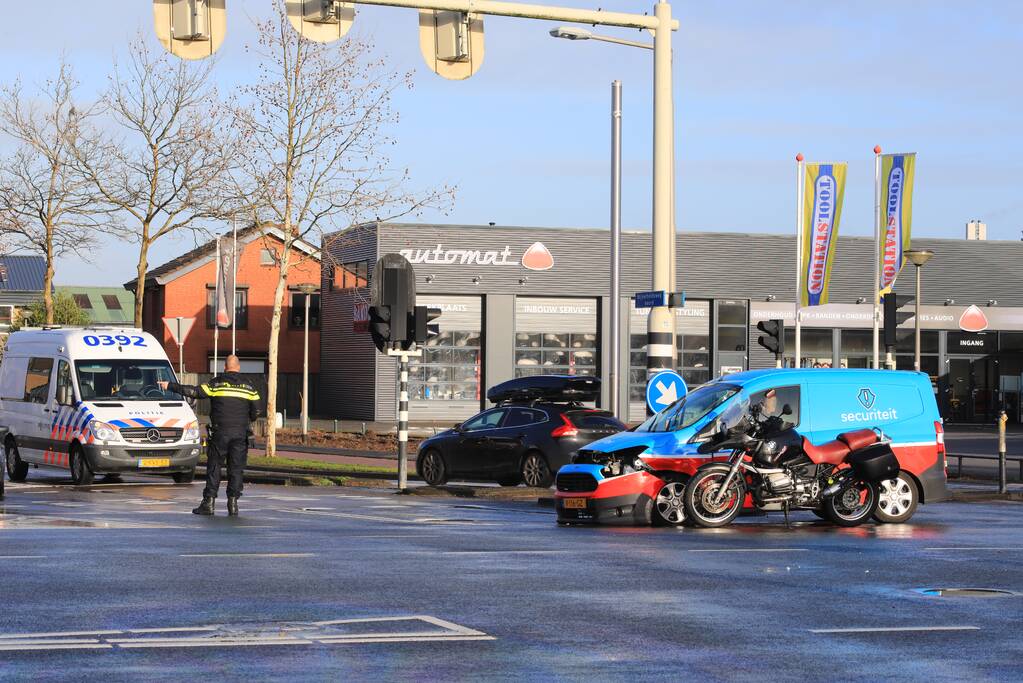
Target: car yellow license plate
column 154, row 462
column 575, row 503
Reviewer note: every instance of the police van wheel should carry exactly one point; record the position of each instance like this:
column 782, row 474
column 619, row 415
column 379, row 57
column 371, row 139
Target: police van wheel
column 183, row 477
column 17, row 469
column 81, row 475
column 897, row 500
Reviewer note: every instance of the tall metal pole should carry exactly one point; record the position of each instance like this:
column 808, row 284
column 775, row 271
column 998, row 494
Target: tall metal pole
column 181, row 348
column 216, row 307
column 660, row 322
column 403, row 422
column 800, row 180
column 305, row 374
column 234, row 291
column 877, row 256
column 616, row 252
column 916, row 332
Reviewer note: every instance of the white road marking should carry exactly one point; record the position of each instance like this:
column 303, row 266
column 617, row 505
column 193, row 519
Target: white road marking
column 996, row 548
column 23, row 557
column 499, row 552
column 240, row 635
column 748, row 550
column 248, row 555
column 895, row 629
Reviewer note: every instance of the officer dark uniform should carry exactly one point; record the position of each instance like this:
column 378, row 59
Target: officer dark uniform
column 234, row 405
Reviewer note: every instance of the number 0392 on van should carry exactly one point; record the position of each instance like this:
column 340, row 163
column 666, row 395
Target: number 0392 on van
column 88, row 401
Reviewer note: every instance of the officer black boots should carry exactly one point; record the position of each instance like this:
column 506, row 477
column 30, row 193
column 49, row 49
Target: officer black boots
column 205, row 507
column 232, row 506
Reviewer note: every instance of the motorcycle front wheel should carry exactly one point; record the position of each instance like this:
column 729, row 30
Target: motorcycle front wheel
column 853, row 506
column 700, row 495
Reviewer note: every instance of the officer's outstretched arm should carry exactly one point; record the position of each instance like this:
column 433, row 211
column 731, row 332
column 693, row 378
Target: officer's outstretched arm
column 188, row 390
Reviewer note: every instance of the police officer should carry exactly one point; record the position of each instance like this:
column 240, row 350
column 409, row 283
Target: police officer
column 234, row 405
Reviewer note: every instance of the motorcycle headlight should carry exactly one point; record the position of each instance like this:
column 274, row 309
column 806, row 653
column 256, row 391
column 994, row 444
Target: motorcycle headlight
column 103, row 431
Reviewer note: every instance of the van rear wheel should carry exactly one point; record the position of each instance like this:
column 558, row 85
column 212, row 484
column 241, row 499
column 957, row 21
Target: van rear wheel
column 897, row 500
column 81, row 475
column 17, row 469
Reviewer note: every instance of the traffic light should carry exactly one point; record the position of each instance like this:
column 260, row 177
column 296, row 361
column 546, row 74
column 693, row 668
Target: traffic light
column 424, row 328
column 773, row 337
column 190, row 29
column 894, row 316
column 380, row 326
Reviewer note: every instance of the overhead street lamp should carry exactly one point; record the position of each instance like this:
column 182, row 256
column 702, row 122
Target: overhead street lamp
column 654, row 336
column 918, row 257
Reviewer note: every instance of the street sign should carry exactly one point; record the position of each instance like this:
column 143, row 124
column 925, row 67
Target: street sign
column 190, row 29
column 663, row 389
column 651, row 299
column 451, row 42
column 179, row 328
column 321, row 20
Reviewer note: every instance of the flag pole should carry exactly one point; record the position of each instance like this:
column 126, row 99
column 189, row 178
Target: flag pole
column 216, row 305
column 234, row 287
column 877, row 255
column 800, row 178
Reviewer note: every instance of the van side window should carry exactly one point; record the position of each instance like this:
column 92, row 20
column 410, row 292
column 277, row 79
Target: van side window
column 37, row 380
column 65, row 391
column 773, row 405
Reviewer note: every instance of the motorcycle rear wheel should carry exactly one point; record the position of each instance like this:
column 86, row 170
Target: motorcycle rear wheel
column 853, row 506
column 699, row 494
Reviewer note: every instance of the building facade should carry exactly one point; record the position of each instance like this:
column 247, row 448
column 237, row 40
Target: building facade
column 186, row 287
column 522, row 301
column 21, row 283
column 104, row 305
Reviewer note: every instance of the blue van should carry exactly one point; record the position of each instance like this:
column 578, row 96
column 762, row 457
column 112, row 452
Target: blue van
column 822, row 403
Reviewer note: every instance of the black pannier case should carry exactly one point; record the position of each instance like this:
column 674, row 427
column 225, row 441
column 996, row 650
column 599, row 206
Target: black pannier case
column 874, row 463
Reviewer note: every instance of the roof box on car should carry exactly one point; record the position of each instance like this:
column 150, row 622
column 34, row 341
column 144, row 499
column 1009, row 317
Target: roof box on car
column 546, row 388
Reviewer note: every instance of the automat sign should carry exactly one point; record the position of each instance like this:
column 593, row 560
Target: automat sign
column 535, row 257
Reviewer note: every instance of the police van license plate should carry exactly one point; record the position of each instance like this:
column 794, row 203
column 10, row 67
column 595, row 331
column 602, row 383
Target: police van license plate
column 154, row 462
column 574, row 503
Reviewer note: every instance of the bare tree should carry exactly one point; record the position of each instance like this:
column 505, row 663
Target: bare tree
column 313, row 129
column 167, row 173
column 45, row 205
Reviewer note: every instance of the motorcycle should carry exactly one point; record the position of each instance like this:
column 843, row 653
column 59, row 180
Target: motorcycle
column 780, row 469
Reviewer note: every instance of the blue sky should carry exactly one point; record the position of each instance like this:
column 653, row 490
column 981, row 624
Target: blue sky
column 526, row 140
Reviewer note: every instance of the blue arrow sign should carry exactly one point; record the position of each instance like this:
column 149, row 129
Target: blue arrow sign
column 663, row 389
column 651, row 299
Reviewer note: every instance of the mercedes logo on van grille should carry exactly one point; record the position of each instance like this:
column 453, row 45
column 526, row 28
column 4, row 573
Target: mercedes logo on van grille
column 153, row 435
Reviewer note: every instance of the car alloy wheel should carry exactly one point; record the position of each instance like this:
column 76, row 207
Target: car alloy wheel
column 670, row 503
column 432, row 468
column 535, row 472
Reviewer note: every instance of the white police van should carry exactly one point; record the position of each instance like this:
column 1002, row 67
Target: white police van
column 87, row 400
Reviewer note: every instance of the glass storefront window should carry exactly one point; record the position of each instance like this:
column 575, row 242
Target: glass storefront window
column 816, row 346
column 449, row 369
column 555, row 336
column 693, row 352
column 906, row 341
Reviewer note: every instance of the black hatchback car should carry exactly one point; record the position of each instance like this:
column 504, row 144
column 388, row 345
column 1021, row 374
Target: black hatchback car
column 538, row 425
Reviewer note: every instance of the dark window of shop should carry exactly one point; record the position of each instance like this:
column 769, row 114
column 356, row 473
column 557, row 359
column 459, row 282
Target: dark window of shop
column 692, row 343
column 296, row 320
column 815, row 346
column 449, row 369
column 111, row 302
column 555, row 337
column 241, row 308
column 905, row 351
column 731, row 331
column 352, row 275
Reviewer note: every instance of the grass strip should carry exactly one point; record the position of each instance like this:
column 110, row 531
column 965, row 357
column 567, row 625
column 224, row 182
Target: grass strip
column 326, row 468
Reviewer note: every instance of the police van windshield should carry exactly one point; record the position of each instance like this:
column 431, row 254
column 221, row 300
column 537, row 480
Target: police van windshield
column 124, row 380
column 689, row 409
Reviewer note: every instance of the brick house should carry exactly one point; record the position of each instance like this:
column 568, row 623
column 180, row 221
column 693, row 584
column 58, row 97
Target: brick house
column 185, row 286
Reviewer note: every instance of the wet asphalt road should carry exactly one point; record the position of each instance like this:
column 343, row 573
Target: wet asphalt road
column 100, row 583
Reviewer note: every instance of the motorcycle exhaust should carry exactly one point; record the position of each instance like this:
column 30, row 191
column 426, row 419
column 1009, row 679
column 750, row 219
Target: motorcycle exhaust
column 837, row 487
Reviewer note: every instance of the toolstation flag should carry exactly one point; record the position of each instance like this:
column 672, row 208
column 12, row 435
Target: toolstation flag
column 822, row 208
column 896, row 217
